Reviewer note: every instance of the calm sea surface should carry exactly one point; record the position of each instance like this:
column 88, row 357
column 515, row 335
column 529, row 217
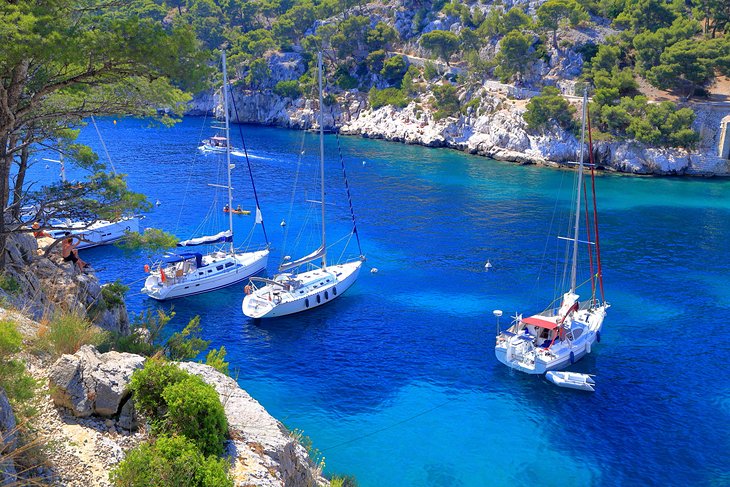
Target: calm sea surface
column 396, row 381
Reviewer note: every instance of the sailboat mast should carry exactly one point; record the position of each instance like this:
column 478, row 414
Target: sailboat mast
column 579, row 187
column 228, row 147
column 321, row 157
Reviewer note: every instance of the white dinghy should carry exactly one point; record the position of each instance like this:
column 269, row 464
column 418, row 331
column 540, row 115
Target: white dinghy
column 571, row 380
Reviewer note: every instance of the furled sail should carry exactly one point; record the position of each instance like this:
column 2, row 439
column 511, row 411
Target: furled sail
column 226, row 236
column 307, row 258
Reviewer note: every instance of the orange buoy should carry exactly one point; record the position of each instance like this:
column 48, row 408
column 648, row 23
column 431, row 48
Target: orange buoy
column 163, row 277
column 147, row 268
column 247, row 289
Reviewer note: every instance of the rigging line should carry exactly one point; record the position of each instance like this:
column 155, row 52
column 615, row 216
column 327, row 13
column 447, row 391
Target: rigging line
column 548, row 236
column 250, row 170
column 588, row 238
column 101, row 139
column 347, row 187
column 595, row 209
column 294, row 189
column 190, row 175
column 380, row 430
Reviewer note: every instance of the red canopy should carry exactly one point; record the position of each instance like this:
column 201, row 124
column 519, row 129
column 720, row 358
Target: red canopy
column 542, row 323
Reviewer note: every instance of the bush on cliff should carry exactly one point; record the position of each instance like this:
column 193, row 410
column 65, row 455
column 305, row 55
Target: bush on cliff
column 67, row 333
column 195, row 411
column 170, row 462
column 289, row 88
column 388, row 96
column 548, row 108
column 177, row 402
column 17, row 383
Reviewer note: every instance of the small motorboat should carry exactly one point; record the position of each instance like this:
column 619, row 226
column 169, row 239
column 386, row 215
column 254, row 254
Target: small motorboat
column 571, row 380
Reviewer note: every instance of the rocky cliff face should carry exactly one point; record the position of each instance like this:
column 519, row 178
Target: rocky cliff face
column 48, row 285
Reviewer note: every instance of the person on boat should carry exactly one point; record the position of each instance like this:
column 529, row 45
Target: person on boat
column 239, row 209
column 226, row 209
column 70, row 253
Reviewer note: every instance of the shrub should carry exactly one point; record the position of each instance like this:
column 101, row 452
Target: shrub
column 446, row 101
column 148, row 384
column 547, row 108
column 288, row 89
column 9, row 284
column 113, row 293
column 217, row 360
column 170, row 462
column 394, row 69
column 388, row 96
column 195, row 411
column 17, row 383
column 186, row 344
column 67, row 333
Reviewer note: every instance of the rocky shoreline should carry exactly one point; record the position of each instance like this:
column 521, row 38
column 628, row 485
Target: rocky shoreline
column 86, row 420
column 493, row 127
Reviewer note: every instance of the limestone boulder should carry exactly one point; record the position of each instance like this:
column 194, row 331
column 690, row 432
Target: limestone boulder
column 89, row 382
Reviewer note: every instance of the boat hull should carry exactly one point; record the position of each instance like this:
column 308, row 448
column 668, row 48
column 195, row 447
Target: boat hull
column 266, row 303
column 245, row 266
column 100, row 233
column 537, row 361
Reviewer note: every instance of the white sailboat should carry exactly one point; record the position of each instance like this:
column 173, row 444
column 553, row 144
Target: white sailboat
column 556, row 338
column 98, row 232
column 185, row 274
column 291, row 292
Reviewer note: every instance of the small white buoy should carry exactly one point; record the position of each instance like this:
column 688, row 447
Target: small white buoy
column 497, row 313
column 158, row 203
column 363, row 163
column 283, row 223
column 287, row 257
column 47, row 166
column 488, row 265
column 374, row 270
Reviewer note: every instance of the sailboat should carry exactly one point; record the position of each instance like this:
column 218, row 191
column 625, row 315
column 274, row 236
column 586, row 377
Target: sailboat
column 560, row 336
column 98, row 232
column 290, row 291
column 188, row 273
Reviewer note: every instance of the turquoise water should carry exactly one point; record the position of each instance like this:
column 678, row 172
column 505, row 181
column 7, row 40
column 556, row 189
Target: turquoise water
column 396, row 382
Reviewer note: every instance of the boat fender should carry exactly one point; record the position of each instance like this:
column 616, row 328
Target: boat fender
column 146, row 268
column 572, row 358
column 598, row 336
column 163, row 277
column 588, row 347
column 247, row 289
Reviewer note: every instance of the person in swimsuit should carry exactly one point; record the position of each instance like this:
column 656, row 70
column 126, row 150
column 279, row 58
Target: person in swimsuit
column 71, row 254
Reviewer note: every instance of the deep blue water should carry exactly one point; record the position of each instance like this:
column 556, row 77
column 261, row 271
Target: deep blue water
column 396, row 381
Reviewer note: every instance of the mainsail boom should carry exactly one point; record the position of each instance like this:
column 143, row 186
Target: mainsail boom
column 320, row 252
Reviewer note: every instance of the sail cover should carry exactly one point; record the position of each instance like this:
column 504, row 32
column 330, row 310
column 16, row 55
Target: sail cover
column 307, row 258
column 226, row 236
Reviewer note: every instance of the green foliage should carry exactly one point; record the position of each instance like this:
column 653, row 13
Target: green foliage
column 9, row 284
column 343, row 481
column 393, row 69
column 382, row 36
column 375, row 60
column 146, row 329
column 66, row 333
column 430, row 71
column 689, row 64
column 408, row 84
column 258, row 73
column 170, row 462
column 515, row 55
column 186, row 344
column 288, row 88
column 195, row 411
column 446, row 101
column 351, row 37
column 17, row 383
column 388, row 96
column 553, row 14
column 148, row 384
column 152, row 240
column 514, row 19
column 217, row 360
column 649, row 44
column 640, row 15
column 442, row 43
column 113, row 293
column 549, row 108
